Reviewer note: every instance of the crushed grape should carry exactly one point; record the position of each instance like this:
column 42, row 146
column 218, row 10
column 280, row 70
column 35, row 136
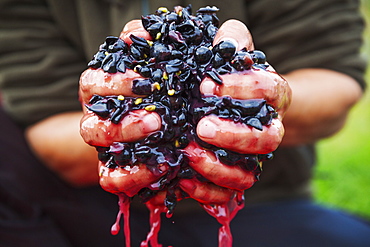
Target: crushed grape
column 179, row 56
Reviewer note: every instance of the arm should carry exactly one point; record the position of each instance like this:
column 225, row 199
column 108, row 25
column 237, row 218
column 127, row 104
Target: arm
column 40, row 68
column 300, row 127
column 57, row 143
column 334, row 102
column 321, row 100
column 308, row 59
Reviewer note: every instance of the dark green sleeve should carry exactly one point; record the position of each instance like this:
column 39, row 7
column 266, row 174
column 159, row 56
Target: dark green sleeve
column 41, row 57
column 309, row 34
column 39, row 67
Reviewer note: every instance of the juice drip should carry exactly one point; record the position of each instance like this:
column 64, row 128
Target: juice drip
column 124, row 209
column 224, row 213
column 155, row 225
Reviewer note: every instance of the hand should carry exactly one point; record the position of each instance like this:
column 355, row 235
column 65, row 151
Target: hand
column 224, row 180
column 134, row 126
column 252, row 84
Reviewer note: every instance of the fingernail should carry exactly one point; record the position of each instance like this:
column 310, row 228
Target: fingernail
column 207, row 129
column 151, row 123
column 207, row 87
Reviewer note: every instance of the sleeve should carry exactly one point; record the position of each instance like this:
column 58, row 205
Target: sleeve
column 309, row 34
column 39, row 67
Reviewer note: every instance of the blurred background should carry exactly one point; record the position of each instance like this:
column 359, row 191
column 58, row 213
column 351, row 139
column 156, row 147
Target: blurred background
column 342, row 177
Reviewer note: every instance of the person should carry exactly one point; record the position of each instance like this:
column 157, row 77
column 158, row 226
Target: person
column 48, row 185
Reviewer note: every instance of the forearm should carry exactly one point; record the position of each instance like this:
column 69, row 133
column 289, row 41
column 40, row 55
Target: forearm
column 316, row 111
column 57, row 143
column 320, row 104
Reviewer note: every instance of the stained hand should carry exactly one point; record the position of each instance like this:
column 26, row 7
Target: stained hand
column 238, row 137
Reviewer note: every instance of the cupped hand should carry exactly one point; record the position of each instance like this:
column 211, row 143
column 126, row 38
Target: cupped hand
column 255, row 83
column 136, row 125
column 250, row 84
column 223, row 180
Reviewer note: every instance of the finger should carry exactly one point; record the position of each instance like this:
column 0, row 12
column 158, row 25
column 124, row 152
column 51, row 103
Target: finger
column 252, row 84
column 133, row 127
column 236, row 32
column 160, row 197
column 239, row 137
column 136, row 28
column 204, row 192
column 206, row 164
column 96, row 81
column 128, row 180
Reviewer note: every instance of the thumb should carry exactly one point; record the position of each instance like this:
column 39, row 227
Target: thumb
column 236, row 32
column 136, row 28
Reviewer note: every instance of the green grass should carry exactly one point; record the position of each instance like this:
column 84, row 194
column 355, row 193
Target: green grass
column 342, row 177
